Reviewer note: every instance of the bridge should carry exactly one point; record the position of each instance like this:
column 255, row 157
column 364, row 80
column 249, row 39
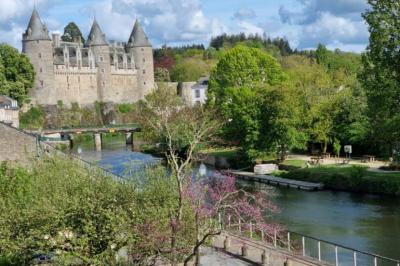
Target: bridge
column 96, row 131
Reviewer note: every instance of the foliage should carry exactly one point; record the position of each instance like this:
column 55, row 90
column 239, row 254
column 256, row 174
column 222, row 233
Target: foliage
column 58, row 207
column 243, row 66
column 179, row 130
column 381, row 74
column 125, row 108
column 218, row 197
column 32, row 119
column 336, row 147
column 16, row 74
column 225, row 40
column 72, row 33
column 161, row 75
column 190, row 69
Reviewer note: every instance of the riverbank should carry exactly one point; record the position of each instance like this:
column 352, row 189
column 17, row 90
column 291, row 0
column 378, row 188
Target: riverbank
column 348, row 178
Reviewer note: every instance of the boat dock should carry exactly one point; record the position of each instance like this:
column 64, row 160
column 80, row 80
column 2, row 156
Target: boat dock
column 278, row 181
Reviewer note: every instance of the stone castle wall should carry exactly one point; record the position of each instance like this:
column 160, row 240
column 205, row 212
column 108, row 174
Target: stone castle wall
column 15, row 145
column 85, row 85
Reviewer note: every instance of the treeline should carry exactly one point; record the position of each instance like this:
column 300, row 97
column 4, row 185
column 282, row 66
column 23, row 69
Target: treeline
column 230, row 40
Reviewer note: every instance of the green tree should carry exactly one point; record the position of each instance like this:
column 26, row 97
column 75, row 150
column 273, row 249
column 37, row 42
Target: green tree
column 244, row 66
column 381, row 74
column 190, row 69
column 72, row 33
column 16, row 74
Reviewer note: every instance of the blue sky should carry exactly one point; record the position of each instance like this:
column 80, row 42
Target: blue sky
column 305, row 23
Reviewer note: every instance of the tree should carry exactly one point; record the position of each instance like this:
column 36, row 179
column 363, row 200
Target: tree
column 17, row 74
column 216, row 196
column 180, row 130
column 72, row 33
column 161, row 75
column 189, row 69
column 243, row 66
column 381, row 74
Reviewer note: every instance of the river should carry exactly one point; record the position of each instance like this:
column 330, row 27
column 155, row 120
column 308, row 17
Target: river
column 365, row 222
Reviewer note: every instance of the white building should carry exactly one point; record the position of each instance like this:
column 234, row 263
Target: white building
column 9, row 111
column 194, row 92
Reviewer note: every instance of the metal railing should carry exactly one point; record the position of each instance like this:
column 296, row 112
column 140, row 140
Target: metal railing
column 93, row 168
column 305, row 246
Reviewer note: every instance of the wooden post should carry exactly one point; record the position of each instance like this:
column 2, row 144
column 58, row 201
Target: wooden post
column 245, row 250
column 227, row 243
column 264, row 258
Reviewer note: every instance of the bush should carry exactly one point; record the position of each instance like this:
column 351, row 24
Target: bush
column 32, row 119
column 58, row 207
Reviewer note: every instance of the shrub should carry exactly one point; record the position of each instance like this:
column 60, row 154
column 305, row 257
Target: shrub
column 32, row 119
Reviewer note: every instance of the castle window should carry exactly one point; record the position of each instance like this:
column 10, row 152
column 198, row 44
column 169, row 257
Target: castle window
column 144, row 71
column 144, row 83
column 41, row 70
column 37, row 41
column 142, row 49
column 40, row 55
column 79, row 79
column 101, row 59
column 197, row 93
column 102, row 70
column 144, row 60
column 41, row 83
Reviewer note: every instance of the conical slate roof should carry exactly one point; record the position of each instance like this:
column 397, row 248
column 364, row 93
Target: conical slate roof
column 36, row 29
column 96, row 36
column 138, row 37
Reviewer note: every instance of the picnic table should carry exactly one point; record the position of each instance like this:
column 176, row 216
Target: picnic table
column 316, row 160
column 368, row 158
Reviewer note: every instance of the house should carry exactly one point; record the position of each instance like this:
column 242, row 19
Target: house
column 194, row 93
column 9, row 111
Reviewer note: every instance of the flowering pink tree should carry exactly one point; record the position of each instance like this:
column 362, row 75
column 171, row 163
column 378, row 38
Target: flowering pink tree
column 218, row 195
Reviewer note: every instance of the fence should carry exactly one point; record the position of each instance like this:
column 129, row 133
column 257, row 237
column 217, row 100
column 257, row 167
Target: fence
column 306, row 246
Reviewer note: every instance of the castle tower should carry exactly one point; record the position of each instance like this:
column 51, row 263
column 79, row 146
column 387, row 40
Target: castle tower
column 99, row 46
column 37, row 45
column 140, row 46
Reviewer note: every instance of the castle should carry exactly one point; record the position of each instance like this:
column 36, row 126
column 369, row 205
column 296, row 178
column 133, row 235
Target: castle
column 73, row 72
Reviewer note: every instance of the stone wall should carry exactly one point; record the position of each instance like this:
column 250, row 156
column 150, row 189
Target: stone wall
column 15, row 145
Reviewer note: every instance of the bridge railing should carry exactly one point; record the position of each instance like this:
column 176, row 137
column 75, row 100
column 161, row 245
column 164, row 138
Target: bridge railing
column 305, row 246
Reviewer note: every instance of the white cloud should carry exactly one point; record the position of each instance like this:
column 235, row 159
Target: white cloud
column 249, row 28
column 330, row 29
column 329, row 22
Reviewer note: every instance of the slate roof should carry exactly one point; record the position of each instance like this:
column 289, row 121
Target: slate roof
column 38, row 31
column 138, row 37
column 96, row 36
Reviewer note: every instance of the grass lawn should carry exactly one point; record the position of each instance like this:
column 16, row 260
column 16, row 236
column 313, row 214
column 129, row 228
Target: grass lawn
column 350, row 178
column 294, row 163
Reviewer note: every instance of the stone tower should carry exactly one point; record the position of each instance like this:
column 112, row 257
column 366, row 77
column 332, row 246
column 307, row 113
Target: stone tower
column 98, row 44
column 37, row 45
column 140, row 46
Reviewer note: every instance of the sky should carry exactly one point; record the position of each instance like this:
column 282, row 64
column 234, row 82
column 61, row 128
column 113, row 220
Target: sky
column 304, row 23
